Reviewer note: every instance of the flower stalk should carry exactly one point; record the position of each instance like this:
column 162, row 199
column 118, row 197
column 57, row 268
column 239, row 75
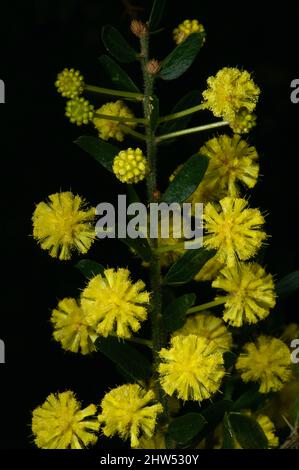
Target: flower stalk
column 191, row 130
column 128, row 95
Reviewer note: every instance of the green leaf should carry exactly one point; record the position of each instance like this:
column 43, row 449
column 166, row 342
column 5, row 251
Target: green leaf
column 156, row 14
column 174, row 315
column 139, row 246
column 288, row 284
column 155, row 113
column 188, row 265
column 296, row 413
column 228, row 435
column 104, row 153
column 89, row 268
column 193, row 98
column 117, row 45
column 132, row 194
column 247, row 431
column 187, row 179
column 119, row 77
column 215, row 412
column 186, row 427
column 125, row 356
column 249, row 399
column 180, row 59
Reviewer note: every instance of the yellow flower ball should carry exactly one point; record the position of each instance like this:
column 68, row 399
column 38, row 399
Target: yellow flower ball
column 60, row 423
column 186, row 28
column 110, row 129
column 70, row 83
column 130, row 166
column 131, row 412
column 79, row 111
column 244, row 121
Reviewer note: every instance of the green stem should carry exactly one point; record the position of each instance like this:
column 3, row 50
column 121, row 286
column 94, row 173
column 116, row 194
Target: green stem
column 185, row 112
column 144, row 342
column 192, row 130
column 158, row 333
column 130, row 131
column 200, row 308
column 121, row 118
column 107, row 91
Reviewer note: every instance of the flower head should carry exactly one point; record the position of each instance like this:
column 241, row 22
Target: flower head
column 63, row 224
column 71, row 328
column 268, row 362
column 209, row 270
column 186, row 28
column 192, row 368
column 110, row 129
column 231, row 160
column 113, row 304
column 209, row 327
column 79, row 111
column 59, row 423
column 250, row 293
column 131, row 412
column 244, row 121
column 234, row 230
column 230, row 91
column 269, row 430
column 130, row 166
column 70, row 83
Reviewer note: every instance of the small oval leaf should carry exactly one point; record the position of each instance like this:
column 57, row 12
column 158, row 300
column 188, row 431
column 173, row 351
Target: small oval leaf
column 156, row 14
column 180, row 59
column 117, row 45
column 119, row 77
column 288, row 284
column 193, row 98
column 187, row 266
column 174, row 315
column 186, row 427
column 104, row 153
column 89, row 268
column 247, row 431
column 187, row 179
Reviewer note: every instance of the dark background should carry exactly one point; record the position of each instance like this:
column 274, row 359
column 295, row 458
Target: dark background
column 38, row 157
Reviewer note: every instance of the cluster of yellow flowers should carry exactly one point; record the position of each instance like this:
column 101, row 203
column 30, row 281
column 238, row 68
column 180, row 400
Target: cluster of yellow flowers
column 192, row 366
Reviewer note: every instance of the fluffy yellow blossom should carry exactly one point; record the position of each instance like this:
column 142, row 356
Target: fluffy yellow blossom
column 79, row 111
column 113, row 304
column 70, row 83
column 268, row 362
column 209, row 270
column 243, row 122
column 131, row 412
column 192, row 368
column 250, row 293
column 209, row 327
column 232, row 160
column 63, row 224
column 186, row 28
column 110, row 129
column 71, row 328
column 233, row 230
column 230, row 91
column 155, row 442
column 130, row 166
column 269, row 430
column 61, row 424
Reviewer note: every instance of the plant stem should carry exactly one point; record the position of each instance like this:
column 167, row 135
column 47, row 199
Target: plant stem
column 130, row 131
column 192, row 130
column 107, row 91
column 200, row 308
column 121, row 118
column 158, row 333
column 185, row 112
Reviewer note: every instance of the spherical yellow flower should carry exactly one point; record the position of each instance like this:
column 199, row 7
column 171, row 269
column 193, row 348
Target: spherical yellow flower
column 109, row 129
column 79, row 111
column 250, row 293
column 186, row 28
column 130, row 166
column 113, row 304
column 71, row 328
column 61, row 424
column 209, row 270
column 209, row 327
column 131, row 412
column 230, row 91
column 243, row 122
column 268, row 362
column 70, row 83
column 269, row 430
column 192, row 368
column 233, row 230
column 155, row 442
column 63, row 224
column 231, row 160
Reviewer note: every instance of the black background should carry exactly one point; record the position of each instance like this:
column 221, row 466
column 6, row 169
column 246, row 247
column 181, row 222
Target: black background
column 38, row 157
